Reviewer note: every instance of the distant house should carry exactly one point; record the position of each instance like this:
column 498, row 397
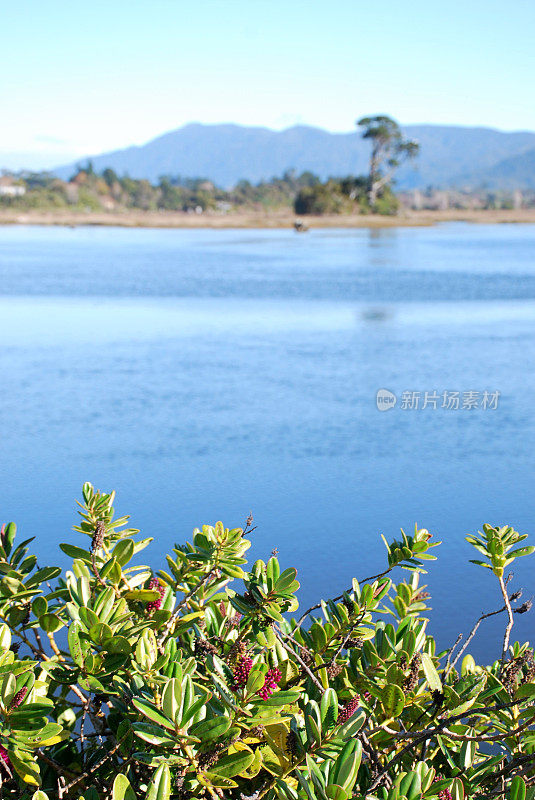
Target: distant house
column 8, row 187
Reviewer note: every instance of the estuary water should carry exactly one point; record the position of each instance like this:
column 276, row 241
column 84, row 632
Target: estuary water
column 206, row 374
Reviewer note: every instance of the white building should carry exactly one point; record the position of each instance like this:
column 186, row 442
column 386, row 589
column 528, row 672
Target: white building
column 8, row 188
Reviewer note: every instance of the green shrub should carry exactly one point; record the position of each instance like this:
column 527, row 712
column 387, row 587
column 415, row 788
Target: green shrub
column 387, row 203
column 116, row 682
column 322, row 199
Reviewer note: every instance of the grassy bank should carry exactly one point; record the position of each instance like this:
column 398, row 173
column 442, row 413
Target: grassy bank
column 283, row 219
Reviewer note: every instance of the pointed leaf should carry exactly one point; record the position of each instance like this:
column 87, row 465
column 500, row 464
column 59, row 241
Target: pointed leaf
column 122, row 790
column 160, row 787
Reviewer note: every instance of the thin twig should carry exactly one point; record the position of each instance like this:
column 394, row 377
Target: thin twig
column 292, row 652
column 176, row 613
column 59, row 768
column 429, row 733
column 96, row 766
column 470, row 637
column 451, row 652
column 340, row 596
column 95, row 568
column 510, row 622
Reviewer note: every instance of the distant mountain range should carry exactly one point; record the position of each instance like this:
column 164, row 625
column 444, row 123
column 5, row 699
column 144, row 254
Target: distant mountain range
column 451, row 156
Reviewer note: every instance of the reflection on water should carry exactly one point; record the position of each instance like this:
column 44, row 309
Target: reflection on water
column 372, row 314
column 205, row 373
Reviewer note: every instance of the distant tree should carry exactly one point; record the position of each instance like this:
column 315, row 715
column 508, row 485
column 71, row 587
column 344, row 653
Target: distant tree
column 110, row 176
column 308, row 178
column 389, row 150
column 355, row 187
column 38, row 180
column 171, row 196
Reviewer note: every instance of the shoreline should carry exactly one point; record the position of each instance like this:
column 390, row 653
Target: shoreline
column 255, row 219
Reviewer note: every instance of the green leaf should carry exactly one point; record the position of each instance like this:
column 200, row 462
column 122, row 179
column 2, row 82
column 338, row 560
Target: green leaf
column 526, row 690
column 335, row 792
column 216, row 780
column 392, row 700
column 5, row 637
column 316, row 774
column 83, row 590
column 122, row 790
column 103, row 605
column 521, row 551
column 329, row 709
column 435, row 684
column 272, row 572
column 517, row 790
column 88, row 617
column 43, row 575
column 410, row 786
column 467, row 754
column 123, row 551
column 74, row 643
column 256, row 680
column 282, row 698
column 146, row 649
column 185, row 622
column 306, row 785
column 287, row 578
column 313, row 729
column 25, row 767
column 112, row 570
column 39, row 606
column 150, row 711
column 160, row 787
column 8, row 537
column 194, row 708
column 172, row 698
column 50, row 623
column 232, row 571
column 347, row 765
column 76, row 552
column 100, row 633
column 233, row 764
column 457, row 789
column 91, row 684
column 59, row 674
column 117, row 644
column 353, row 726
column 44, row 735
column 209, row 729
column 468, row 665
column 143, row 595
column 153, row 734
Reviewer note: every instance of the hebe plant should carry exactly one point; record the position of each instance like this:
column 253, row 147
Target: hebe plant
column 197, row 681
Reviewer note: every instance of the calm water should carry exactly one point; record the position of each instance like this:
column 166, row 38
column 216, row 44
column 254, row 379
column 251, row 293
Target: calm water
column 206, row 374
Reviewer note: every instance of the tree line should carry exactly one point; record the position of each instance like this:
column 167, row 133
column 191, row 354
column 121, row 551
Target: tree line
column 306, row 193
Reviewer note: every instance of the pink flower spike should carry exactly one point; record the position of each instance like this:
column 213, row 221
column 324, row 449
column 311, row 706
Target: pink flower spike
column 5, row 761
column 271, row 681
column 241, row 671
column 154, row 605
column 18, row 698
column 347, row 711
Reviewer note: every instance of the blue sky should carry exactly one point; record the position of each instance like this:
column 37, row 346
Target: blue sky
column 84, row 77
